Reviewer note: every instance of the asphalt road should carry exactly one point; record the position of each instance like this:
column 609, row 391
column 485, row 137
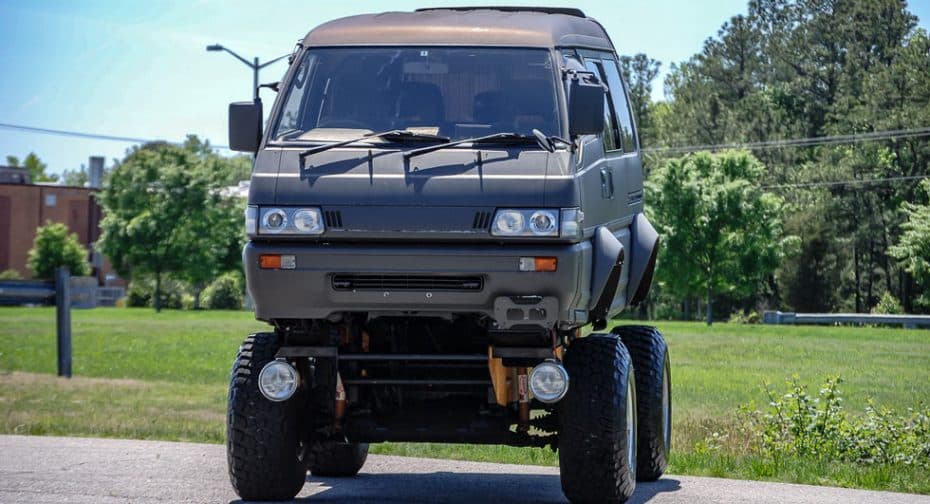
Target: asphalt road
column 109, row 471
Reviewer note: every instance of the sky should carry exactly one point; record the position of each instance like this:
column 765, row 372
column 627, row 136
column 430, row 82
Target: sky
column 140, row 69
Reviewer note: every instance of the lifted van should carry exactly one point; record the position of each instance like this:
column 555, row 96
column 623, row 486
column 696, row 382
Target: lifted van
column 441, row 201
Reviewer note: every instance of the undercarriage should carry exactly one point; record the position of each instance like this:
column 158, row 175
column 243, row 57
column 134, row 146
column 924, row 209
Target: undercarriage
column 428, row 379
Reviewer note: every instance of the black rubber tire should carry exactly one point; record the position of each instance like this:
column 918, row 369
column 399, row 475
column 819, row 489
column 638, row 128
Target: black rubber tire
column 262, row 438
column 334, row 459
column 651, row 362
column 594, row 449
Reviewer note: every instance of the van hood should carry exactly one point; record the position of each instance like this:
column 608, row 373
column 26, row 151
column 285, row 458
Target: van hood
column 452, row 177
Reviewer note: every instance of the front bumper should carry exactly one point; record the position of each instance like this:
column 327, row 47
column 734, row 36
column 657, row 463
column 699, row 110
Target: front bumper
column 307, row 291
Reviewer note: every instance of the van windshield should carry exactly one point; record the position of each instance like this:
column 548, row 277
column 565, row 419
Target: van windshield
column 340, row 93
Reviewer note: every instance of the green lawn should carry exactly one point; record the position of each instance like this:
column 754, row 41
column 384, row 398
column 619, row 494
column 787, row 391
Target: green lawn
column 163, row 376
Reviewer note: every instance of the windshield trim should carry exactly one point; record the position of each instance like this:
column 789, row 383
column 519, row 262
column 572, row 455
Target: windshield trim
column 277, row 112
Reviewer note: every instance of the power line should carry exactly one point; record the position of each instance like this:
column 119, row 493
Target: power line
column 802, row 185
column 93, row 136
column 800, row 142
column 769, row 144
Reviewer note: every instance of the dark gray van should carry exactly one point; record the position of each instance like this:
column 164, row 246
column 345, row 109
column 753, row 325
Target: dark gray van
column 441, row 201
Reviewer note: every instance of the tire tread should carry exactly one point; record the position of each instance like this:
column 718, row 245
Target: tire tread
column 649, row 352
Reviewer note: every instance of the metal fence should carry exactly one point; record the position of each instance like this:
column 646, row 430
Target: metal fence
column 906, row 321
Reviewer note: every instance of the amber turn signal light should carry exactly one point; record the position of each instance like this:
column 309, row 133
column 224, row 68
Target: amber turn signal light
column 269, row 261
column 546, row 263
column 538, row 263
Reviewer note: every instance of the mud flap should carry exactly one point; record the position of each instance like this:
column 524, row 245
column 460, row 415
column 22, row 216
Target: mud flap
column 608, row 265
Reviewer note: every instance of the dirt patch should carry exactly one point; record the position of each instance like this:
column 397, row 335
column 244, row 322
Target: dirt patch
column 74, row 383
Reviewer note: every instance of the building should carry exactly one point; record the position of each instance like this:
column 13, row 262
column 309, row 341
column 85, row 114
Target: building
column 24, row 207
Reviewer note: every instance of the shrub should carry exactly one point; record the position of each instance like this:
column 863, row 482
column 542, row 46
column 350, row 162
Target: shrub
column 225, row 293
column 888, row 304
column 54, row 247
column 746, row 317
column 141, row 293
column 138, row 295
column 10, row 274
column 796, row 424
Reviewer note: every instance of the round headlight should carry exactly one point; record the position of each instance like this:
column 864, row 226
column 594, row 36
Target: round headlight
column 274, row 220
column 278, row 381
column 549, row 381
column 307, row 221
column 509, row 222
column 542, row 222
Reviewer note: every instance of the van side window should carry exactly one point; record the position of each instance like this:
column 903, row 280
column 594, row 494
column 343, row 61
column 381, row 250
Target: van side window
column 621, row 105
column 610, row 137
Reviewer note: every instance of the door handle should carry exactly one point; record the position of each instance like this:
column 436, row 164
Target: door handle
column 607, row 183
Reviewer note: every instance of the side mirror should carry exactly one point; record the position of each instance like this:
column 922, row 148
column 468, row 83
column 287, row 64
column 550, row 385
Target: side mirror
column 245, row 126
column 585, row 105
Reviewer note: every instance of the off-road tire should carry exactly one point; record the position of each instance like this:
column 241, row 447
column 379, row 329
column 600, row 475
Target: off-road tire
column 262, row 439
column 334, row 459
column 594, row 452
column 651, row 362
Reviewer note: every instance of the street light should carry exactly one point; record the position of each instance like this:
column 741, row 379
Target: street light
column 254, row 65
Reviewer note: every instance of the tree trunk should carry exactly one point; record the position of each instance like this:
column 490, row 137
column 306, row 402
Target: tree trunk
column 687, row 307
column 157, row 291
column 869, row 301
column 856, row 273
column 198, row 289
column 710, row 305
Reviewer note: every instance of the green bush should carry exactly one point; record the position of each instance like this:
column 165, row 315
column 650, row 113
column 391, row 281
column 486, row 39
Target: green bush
column 798, row 425
column 54, row 247
column 138, row 295
column 888, row 304
column 225, row 293
column 746, row 317
column 141, row 293
column 10, row 274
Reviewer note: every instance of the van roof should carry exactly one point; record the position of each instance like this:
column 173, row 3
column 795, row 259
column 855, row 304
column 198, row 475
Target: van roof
column 474, row 26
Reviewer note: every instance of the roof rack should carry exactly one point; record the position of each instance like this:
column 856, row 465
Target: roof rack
column 547, row 10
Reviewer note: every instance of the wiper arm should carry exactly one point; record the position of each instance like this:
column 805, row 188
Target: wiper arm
column 482, row 139
column 548, row 141
column 382, row 134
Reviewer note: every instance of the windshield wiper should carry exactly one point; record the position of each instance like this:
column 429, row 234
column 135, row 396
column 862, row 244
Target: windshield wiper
column 390, row 133
column 496, row 137
column 548, row 141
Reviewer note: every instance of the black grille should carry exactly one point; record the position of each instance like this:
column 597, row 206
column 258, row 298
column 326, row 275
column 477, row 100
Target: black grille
column 332, row 218
column 348, row 282
column 481, row 221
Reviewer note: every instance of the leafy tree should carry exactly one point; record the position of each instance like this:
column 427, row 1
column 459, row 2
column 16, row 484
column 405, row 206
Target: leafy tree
column 723, row 234
column 75, row 178
column 639, row 71
column 219, row 242
column 809, row 68
column 35, row 166
column 808, row 279
column 54, row 247
column 913, row 248
column 164, row 214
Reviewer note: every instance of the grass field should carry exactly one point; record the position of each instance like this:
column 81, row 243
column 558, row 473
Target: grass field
column 163, row 376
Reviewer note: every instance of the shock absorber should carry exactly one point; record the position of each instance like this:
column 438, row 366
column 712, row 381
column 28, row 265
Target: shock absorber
column 523, row 401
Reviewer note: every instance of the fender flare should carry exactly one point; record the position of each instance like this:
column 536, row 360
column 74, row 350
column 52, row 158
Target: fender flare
column 644, row 250
column 605, row 275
